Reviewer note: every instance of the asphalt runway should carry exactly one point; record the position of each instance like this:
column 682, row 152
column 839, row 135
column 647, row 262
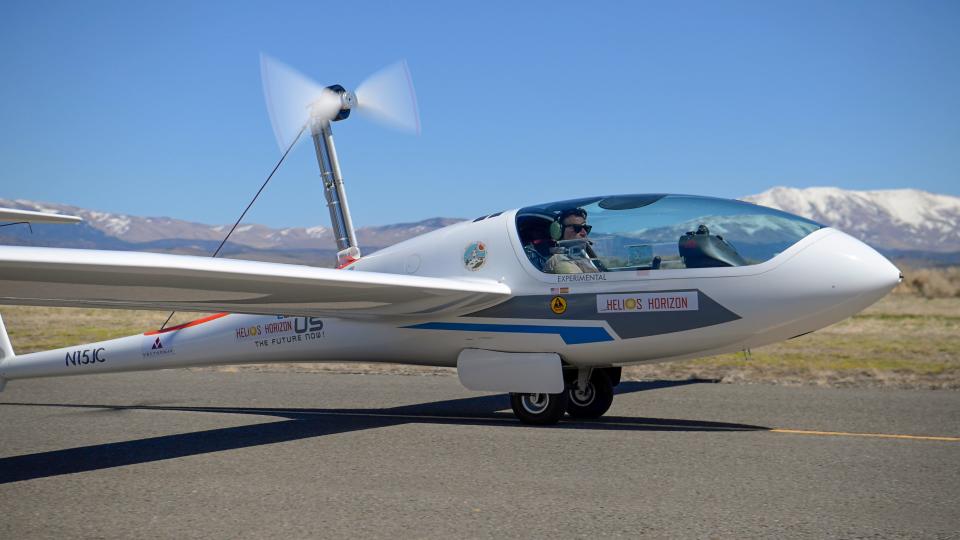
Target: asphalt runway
column 226, row 455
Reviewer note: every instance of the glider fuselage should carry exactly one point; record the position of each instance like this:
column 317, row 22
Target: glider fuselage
column 608, row 318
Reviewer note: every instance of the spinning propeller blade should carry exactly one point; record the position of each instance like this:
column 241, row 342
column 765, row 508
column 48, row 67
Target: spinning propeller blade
column 386, row 96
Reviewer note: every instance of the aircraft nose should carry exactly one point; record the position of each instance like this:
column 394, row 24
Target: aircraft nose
column 859, row 270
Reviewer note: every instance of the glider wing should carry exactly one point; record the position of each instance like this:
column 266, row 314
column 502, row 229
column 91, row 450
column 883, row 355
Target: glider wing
column 135, row 280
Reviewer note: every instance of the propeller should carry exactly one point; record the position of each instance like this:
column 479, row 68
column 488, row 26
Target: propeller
column 293, row 99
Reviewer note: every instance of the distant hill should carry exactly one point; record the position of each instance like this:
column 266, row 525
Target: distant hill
column 104, row 230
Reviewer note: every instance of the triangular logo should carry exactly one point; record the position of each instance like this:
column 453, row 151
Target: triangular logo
column 157, row 344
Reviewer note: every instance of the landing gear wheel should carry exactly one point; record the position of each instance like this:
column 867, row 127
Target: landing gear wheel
column 594, row 400
column 539, row 409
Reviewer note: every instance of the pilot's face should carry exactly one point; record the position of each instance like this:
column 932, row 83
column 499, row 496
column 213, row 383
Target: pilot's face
column 569, row 232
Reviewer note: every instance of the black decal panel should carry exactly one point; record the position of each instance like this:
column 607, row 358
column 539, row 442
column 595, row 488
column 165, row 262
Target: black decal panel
column 583, row 307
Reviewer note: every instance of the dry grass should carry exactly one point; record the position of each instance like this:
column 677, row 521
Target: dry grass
column 903, row 341
column 931, row 282
column 41, row 328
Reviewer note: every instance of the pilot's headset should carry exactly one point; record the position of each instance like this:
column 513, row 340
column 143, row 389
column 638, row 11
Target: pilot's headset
column 556, row 228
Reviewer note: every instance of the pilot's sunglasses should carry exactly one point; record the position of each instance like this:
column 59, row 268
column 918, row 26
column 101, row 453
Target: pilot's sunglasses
column 578, row 228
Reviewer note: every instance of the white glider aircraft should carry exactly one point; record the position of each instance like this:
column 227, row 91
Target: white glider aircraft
column 546, row 302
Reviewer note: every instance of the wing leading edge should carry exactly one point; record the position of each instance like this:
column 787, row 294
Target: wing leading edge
column 29, row 216
column 135, row 280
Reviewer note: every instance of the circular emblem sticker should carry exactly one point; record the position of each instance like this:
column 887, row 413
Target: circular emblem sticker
column 558, row 305
column 474, row 256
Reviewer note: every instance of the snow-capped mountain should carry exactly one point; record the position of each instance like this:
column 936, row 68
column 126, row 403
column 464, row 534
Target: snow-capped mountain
column 897, row 219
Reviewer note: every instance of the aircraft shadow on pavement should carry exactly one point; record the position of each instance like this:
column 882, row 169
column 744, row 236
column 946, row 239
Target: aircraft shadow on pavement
column 307, row 423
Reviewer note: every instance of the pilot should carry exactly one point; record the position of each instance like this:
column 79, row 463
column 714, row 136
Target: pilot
column 570, row 225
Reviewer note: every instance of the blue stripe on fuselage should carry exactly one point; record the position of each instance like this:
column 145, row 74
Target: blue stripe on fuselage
column 572, row 335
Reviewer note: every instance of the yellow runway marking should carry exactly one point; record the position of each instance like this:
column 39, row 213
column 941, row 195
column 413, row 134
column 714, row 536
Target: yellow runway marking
column 652, row 425
column 874, row 435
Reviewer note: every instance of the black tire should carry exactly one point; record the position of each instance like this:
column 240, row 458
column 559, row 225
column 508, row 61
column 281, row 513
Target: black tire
column 614, row 373
column 595, row 400
column 539, row 409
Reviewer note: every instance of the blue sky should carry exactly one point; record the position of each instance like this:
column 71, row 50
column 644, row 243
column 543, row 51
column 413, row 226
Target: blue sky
column 155, row 108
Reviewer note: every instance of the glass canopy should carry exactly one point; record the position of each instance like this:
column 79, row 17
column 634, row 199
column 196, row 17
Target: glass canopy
column 652, row 232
